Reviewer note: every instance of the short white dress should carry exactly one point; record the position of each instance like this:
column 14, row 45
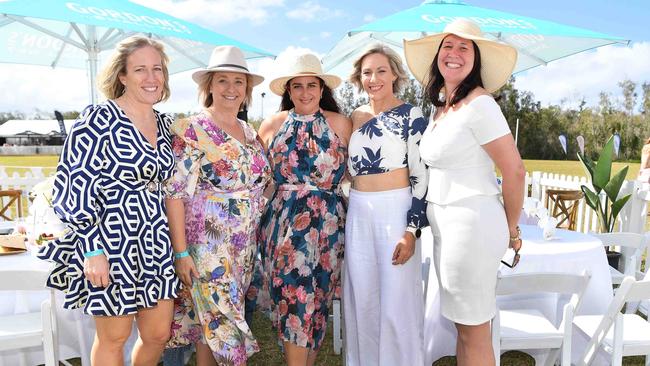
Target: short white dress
column 465, row 212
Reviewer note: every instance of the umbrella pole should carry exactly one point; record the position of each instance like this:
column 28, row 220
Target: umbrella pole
column 92, row 64
column 92, row 69
column 517, row 132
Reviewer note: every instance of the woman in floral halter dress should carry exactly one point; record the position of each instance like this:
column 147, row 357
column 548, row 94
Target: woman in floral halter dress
column 302, row 231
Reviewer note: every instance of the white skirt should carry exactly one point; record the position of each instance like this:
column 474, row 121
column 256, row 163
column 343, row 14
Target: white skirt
column 470, row 238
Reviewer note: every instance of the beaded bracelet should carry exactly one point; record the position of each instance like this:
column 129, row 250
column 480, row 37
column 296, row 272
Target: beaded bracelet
column 182, row 254
column 94, row 253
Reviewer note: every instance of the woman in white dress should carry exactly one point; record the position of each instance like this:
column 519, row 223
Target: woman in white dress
column 466, row 137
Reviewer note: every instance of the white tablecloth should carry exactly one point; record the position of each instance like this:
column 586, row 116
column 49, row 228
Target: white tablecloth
column 76, row 330
column 569, row 251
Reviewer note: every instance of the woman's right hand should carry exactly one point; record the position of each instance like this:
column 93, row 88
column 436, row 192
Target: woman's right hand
column 185, row 270
column 96, row 270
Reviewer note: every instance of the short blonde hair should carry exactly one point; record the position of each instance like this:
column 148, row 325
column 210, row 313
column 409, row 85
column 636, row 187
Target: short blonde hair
column 205, row 96
column 394, row 61
column 109, row 80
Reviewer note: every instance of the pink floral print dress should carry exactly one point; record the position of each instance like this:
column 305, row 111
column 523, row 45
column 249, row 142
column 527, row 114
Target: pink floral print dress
column 302, row 230
column 221, row 182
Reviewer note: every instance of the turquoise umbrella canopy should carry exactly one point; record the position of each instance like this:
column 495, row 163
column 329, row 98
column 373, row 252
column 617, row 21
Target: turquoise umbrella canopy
column 74, row 34
column 537, row 41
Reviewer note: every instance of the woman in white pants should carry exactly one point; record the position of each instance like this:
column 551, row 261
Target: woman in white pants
column 382, row 290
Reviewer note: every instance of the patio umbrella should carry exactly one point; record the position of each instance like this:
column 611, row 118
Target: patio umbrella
column 75, row 33
column 538, row 41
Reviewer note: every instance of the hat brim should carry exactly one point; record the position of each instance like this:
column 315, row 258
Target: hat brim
column 277, row 85
column 199, row 75
column 498, row 60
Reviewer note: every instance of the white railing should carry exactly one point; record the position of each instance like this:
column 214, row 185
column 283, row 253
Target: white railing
column 23, row 178
column 632, row 218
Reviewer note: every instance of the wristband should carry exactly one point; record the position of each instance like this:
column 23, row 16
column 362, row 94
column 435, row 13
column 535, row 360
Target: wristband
column 182, row 254
column 94, row 253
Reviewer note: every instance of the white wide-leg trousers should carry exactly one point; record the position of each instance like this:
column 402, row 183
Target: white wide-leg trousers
column 383, row 303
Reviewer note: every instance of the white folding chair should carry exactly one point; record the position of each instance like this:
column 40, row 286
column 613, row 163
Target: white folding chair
column 33, row 329
column 632, row 246
column 523, row 329
column 616, row 333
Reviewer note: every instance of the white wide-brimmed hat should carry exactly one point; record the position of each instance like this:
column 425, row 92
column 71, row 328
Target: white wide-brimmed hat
column 497, row 59
column 304, row 65
column 227, row 59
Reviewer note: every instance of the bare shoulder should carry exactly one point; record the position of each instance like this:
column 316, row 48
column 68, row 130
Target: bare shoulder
column 341, row 124
column 361, row 115
column 270, row 126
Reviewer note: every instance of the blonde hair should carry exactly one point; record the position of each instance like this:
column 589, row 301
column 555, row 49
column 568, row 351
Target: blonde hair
column 205, row 96
column 109, row 80
column 394, row 61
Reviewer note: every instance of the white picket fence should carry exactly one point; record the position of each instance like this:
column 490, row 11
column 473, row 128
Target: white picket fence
column 632, row 218
column 23, row 178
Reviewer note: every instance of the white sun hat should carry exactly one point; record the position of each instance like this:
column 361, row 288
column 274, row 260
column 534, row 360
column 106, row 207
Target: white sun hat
column 304, row 65
column 227, row 59
column 497, row 59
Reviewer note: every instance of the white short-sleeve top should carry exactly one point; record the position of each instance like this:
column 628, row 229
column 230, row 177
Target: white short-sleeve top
column 451, row 148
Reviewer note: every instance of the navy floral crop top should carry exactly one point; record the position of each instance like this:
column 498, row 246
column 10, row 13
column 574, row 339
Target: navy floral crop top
column 390, row 141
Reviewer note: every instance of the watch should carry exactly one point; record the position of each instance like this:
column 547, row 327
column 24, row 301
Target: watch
column 415, row 231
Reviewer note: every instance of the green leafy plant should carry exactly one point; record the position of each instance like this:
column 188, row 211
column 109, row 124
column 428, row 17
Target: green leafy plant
column 603, row 181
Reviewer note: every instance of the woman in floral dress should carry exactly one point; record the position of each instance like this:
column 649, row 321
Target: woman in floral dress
column 303, row 228
column 215, row 202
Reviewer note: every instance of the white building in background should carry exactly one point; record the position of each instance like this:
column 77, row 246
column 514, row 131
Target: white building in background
column 37, row 132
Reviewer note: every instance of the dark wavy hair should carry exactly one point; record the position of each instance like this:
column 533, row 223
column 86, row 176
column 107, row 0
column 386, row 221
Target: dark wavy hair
column 327, row 101
column 437, row 82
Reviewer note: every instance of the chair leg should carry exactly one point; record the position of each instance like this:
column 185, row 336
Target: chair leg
column 617, row 352
column 336, row 327
column 496, row 339
column 48, row 334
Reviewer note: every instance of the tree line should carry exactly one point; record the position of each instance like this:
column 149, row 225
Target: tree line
column 539, row 127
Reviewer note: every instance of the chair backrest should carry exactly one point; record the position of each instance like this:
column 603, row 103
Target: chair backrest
column 563, row 205
column 561, row 283
column 9, row 198
column 632, row 247
column 23, row 280
column 608, row 319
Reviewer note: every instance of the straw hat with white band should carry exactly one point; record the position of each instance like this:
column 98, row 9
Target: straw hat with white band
column 304, row 65
column 497, row 59
column 227, row 59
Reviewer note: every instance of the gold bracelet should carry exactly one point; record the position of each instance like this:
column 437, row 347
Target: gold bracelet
column 516, row 237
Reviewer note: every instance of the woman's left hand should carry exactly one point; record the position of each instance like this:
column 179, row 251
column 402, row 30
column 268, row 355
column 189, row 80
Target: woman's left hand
column 404, row 249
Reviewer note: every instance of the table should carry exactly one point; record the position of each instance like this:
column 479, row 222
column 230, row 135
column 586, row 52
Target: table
column 76, row 330
column 568, row 251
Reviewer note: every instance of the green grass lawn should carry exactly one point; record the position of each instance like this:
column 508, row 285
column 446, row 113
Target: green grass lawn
column 567, row 167
column 270, row 354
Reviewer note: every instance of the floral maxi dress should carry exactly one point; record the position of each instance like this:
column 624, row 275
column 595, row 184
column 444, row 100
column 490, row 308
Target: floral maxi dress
column 221, row 182
column 302, row 231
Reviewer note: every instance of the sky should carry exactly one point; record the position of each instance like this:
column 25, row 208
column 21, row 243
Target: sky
column 288, row 27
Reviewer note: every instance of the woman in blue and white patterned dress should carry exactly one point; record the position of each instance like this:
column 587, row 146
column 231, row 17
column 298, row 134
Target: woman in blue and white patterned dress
column 382, row 288
column 116, row 261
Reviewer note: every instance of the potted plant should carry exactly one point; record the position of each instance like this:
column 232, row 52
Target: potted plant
column 608, row 208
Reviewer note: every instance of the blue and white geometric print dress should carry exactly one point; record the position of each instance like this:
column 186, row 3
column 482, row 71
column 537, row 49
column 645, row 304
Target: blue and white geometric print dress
column 107, row 192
